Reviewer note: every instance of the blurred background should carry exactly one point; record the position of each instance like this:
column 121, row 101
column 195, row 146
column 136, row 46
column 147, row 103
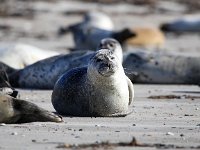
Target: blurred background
column 36, row 22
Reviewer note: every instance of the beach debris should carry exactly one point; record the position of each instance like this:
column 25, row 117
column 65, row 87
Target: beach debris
column 173, row 97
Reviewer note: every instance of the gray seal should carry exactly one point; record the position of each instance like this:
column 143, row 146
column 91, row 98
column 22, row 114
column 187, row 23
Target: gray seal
column 14, row 110
column 100, row 89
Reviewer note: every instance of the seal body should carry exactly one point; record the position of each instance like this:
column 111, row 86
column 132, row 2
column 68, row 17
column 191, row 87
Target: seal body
column 95, row 27
column 19, row 111
column 44, row 74
column 20, row 55
column 98, row 19
column 85, row 38
column 162, row 68
column 185, row 24
column 147, row 37
column 5, row 86
column 100, row 89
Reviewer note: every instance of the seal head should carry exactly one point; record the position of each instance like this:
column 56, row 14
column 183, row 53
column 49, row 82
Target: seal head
column 113, row 45
column 104, row 64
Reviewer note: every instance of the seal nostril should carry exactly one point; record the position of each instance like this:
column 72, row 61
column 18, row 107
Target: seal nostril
column 101, row 45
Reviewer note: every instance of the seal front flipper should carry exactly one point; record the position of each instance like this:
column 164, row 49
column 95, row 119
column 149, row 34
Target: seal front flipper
column 131, row 90
column 121, row 114
column 29, row 112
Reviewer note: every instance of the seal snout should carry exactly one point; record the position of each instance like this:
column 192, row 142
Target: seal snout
column 107, row 68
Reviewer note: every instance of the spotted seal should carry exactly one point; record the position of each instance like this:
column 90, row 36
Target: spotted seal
column 91, row 19
column 113, row 45
column 44, row 74
column 162, row 68
column 14, row 110
column 189, row 23
column 100, row 89
column 147, row 37
column 90, row 38
column 5, row 86
column 20, row 55
column 95, row 27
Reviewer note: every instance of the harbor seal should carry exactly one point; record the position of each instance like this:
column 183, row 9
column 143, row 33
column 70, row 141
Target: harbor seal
column 147, row 37
column 19, row 111
column 20, row 55
column 100, row 89
column 13, row 110
column 5, row 86
column 95, row 27
column 45, row 73
column 189, row 23
column 162, row 68
column 113, row 45
column 91, row 19
column 85, row 38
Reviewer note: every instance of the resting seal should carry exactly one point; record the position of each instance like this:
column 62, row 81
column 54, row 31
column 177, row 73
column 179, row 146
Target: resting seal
column 91, row 19
column 186, row 24
column 5, row 86
column 20, row 55
column 147, row 37
column 45, row 73
column 100, row 89
column 95, row 27
column 113, row 45
column 19, row 111
column 162, row 68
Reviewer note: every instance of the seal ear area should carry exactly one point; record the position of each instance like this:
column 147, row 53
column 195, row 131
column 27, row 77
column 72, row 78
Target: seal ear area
column 29, row 112
column 123, row 35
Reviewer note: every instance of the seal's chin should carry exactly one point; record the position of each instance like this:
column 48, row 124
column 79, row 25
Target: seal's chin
column 107, row 70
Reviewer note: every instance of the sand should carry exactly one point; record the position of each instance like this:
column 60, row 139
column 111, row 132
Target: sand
column 170, row 120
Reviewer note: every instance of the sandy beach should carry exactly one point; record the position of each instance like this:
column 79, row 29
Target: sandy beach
column 164, row 116
column 161, row 122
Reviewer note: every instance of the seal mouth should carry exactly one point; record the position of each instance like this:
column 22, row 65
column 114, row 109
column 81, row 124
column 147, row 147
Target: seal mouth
column 107, row 69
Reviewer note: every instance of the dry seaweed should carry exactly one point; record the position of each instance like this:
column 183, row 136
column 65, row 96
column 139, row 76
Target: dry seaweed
column 174, row 97
column 132, row 143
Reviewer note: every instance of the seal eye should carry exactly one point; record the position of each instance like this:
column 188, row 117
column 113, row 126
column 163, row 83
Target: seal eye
column 111, row 45
column 98, row 60
column 112, row 58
